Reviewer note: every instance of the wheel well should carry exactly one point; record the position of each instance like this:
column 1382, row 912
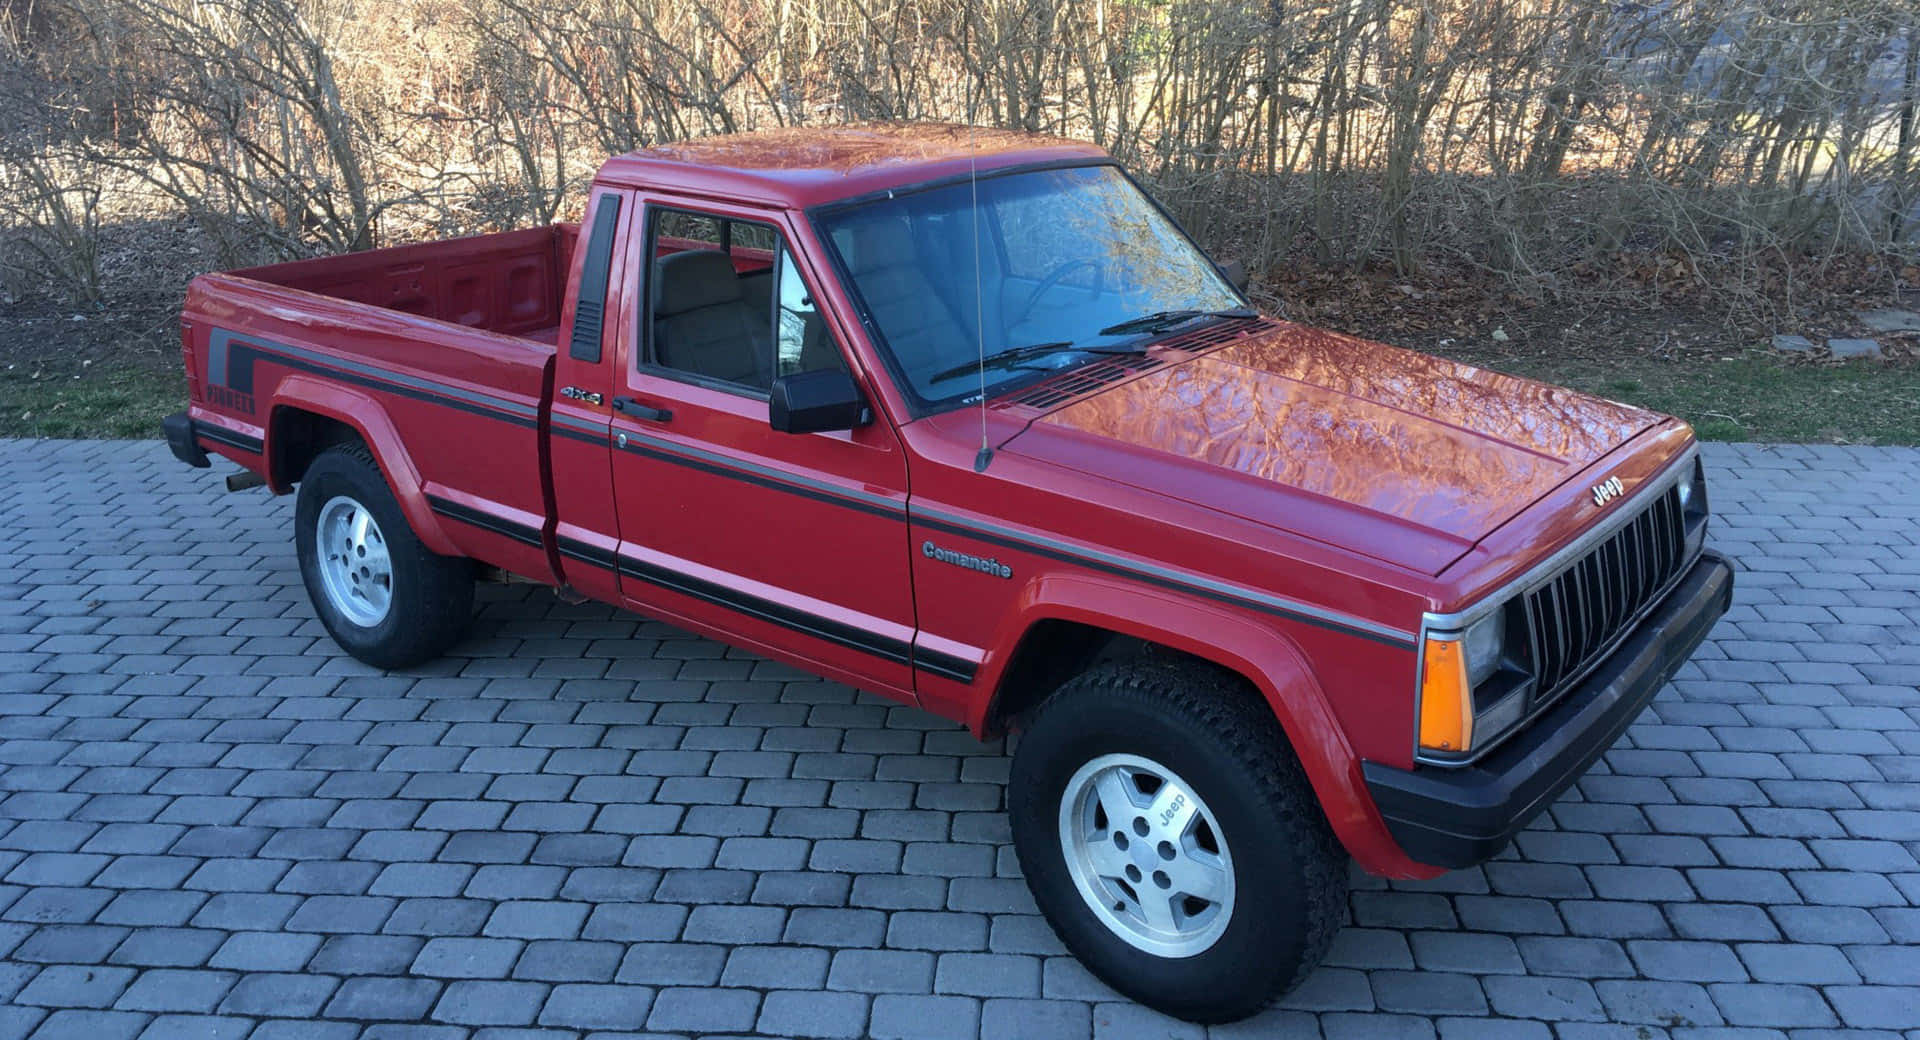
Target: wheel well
column 298, row 437
column 1053, row 651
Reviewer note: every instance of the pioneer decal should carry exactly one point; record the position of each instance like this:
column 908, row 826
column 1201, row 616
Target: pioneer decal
column 229, row 398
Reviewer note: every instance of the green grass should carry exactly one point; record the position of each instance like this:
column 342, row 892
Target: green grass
column 99, row 400
column 1751, row 397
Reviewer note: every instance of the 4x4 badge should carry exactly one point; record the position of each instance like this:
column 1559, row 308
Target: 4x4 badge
column 1607, row 490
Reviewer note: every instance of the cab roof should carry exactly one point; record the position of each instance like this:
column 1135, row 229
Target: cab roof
column 802, row 167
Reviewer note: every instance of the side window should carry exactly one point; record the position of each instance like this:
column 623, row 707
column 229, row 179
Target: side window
column 801, row 342
column 726, row 305
column 751, row 244
column 710, row 299
column 674, row 230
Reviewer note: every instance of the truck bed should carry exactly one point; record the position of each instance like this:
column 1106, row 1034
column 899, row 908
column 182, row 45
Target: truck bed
column 439, row 354
column 512, row 283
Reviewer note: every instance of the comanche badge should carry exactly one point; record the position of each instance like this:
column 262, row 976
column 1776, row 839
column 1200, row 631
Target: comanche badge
column 985, row 565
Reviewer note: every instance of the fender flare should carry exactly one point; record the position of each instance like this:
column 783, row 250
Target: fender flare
column 368, row 417
column 1261, row 653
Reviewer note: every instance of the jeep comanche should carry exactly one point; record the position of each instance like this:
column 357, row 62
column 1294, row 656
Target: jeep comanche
column 962, row 418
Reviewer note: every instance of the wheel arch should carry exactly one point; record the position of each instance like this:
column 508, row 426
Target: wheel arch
column 307, row 415
column 1079, row 620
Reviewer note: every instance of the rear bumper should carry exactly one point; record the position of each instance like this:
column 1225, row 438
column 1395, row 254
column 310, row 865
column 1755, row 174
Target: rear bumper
column 180, row 437
column 1456, row 818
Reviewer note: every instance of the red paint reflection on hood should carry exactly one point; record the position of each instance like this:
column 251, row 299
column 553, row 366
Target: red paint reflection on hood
column 1438, row 445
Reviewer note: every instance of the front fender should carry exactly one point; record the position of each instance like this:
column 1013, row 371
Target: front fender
column 370, row 420
column 1261, row 653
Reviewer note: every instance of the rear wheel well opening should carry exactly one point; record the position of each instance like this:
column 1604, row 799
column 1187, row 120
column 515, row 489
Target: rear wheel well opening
column 1053, row 651
column 298, row 437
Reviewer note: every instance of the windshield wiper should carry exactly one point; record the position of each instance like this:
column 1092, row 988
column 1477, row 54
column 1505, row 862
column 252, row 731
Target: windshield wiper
column 1014, row 355
column 1159, row 321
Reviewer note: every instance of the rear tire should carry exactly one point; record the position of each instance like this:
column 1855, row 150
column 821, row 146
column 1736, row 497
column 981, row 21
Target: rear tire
column 1226, row 886
column 384, row 597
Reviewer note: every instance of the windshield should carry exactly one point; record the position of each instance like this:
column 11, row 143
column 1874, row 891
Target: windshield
column 1069, row 262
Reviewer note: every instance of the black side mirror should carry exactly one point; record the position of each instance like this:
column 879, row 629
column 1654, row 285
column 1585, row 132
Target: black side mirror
column 811, row 402
column 1235, row 273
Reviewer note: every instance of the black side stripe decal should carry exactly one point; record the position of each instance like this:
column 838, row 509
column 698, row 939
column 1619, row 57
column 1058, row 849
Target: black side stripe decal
column 499, row 525
column 578, row 550
column 597, row 439
column 886, row 648
column 635, row 446
column 222, row 435
column 231, row 361
column 946, row 666
column 883, row 647
column 1177, row 586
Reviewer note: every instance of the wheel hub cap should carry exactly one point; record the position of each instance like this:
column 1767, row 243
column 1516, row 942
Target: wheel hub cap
column 1147, row 855
column 356, row 570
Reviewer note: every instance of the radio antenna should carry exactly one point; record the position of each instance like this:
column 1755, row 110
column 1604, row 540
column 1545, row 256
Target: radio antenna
column 985, row 456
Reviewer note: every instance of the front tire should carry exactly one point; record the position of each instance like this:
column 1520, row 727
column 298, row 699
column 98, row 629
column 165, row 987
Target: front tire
column 384, row 597
column 1172, row 840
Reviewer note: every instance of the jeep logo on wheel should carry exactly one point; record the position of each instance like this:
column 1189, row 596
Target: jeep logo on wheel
column 1166, row 817
column 1608, row 490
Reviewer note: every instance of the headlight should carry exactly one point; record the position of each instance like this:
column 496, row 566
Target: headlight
column 1465, row 701
column 1483, row 645
column 1693, row 490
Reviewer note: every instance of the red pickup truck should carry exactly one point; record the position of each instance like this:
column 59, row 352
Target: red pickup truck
column 963, row 418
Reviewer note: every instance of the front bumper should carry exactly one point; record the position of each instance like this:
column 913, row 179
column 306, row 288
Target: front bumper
column 180, row 437
column 1456, row 818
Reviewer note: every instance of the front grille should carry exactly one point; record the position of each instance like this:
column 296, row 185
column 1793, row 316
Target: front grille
column 1577, row 616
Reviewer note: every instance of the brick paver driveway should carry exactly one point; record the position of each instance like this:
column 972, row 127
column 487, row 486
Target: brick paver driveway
column 216, row 825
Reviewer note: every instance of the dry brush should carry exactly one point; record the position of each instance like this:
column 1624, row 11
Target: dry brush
column 1567, row 146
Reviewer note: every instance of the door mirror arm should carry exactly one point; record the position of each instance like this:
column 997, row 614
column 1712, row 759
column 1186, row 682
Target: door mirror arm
column 816, row 402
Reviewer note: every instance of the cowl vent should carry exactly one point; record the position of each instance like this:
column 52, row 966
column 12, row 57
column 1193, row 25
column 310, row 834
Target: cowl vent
column 1083, row 380
column 1088, row 378
column 1216, row 333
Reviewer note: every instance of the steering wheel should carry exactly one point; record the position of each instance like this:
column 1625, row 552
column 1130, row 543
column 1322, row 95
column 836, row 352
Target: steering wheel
column 1053, row 278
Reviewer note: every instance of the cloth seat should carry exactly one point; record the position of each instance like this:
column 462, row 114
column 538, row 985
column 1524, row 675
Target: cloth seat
column 702, row 324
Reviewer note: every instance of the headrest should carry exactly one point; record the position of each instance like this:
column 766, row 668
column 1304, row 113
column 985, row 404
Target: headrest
column 692, row 279
column 874, row 244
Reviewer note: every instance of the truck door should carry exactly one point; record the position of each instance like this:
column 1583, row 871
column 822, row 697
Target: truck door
column 585, row 529
column 792, row 544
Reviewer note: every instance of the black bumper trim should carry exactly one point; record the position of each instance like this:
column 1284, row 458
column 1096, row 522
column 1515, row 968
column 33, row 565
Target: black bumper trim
column 180, row 438
column 1456, row 818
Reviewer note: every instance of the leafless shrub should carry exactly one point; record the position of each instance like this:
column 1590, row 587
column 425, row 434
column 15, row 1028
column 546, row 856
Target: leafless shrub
column 1562, row 145
column 54, row 206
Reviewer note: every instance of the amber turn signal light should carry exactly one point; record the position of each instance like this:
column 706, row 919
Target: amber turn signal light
column 1446, row 701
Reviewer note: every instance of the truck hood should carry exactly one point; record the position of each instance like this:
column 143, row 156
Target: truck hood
column 1401, row 456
